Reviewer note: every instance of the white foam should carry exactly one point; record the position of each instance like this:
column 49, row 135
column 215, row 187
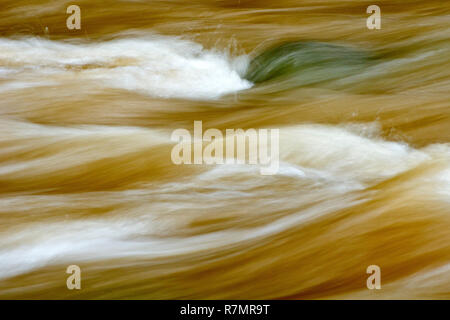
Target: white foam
column 340, row 151
column 159, row 66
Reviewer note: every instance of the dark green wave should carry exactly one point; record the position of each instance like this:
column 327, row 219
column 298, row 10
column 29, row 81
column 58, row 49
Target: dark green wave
column 296, row 64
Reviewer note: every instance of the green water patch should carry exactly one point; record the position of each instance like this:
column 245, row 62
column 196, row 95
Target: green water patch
column 297, row 64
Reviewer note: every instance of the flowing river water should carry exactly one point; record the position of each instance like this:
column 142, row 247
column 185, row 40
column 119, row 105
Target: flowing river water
column 86, row 176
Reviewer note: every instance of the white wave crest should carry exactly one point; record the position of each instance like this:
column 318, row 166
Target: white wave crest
column 165, row 67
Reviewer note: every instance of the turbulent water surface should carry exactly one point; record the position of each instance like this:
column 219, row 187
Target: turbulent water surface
column 86, row 176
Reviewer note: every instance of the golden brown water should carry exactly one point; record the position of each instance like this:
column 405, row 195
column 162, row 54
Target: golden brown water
column 86, row 176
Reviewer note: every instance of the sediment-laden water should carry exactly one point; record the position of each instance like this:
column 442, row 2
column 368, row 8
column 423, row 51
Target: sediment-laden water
column 86, row 176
